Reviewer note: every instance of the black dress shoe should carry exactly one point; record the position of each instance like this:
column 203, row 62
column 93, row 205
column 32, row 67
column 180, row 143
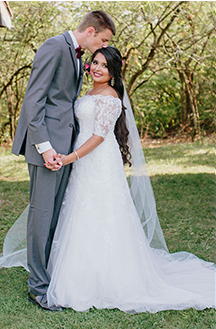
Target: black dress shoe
column 41, row 301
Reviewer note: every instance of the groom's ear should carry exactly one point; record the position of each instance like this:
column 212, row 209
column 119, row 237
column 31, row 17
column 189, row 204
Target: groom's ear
column 90, row 31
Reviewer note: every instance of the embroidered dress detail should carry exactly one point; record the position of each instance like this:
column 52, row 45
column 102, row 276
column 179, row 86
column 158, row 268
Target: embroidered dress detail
column 100, row 255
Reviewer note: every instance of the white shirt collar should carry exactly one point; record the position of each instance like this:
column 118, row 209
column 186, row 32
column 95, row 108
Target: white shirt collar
column 75, row 43
column 73, row 39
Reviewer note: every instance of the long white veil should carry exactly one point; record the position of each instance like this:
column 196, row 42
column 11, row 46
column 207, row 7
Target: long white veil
column 14, row 249
column 140, row 185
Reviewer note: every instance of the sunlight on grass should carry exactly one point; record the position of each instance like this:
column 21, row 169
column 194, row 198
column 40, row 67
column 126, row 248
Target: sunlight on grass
column 12, row 167
column 180, row 158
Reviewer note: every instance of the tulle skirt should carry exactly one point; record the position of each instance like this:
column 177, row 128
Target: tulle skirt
column 101, row 257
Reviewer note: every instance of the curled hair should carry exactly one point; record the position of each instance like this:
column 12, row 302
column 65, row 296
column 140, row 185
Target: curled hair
column 114, row 63
column 99, row 20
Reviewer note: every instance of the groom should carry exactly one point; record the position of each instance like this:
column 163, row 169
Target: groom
column 47, row 126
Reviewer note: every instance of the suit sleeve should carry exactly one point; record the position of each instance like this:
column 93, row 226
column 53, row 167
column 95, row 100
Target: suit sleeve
column 46, row 62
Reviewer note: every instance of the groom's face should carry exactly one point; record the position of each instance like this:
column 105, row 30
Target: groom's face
column 98, row 40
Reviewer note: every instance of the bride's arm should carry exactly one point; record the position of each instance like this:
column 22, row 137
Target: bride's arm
column 83, row 150
column 106, row 114
column 86, row 148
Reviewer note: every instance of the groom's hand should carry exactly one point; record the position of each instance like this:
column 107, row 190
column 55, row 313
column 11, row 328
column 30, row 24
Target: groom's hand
column 54, row 166
column 52, row 160
column 49, row 156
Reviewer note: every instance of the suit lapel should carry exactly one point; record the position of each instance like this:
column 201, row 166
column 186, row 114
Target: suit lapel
column 72, row 50
column 80, row 77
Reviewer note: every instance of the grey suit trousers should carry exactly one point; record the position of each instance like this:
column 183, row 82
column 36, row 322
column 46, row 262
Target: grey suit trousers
column 47, row 190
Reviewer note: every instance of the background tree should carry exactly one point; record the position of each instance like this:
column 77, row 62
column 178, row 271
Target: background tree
column 168, row 56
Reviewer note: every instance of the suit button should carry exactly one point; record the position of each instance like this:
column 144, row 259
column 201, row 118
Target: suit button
column 71, row 125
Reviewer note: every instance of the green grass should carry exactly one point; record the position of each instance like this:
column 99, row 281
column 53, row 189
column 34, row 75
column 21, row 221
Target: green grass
column 183, row 181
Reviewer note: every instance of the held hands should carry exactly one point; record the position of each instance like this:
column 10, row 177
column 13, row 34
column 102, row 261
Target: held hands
column 49, row 155
column 56, row 164
column 60, row 160
column 52, row 160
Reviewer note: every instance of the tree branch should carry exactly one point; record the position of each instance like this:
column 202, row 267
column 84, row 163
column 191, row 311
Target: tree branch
column 176, row 11
column 27, row 66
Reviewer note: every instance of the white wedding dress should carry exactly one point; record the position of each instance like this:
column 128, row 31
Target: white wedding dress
column 100, row 255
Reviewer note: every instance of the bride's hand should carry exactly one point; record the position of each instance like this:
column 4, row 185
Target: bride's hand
column 60, row 161
column 54, row 165
column 63, row 159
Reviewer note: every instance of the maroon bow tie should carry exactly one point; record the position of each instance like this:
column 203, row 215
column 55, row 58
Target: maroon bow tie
column 79, row 52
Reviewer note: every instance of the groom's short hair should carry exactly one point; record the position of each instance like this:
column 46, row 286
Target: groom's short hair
column 99, row 20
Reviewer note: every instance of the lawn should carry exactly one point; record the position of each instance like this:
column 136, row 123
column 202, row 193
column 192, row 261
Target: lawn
column 183, row 181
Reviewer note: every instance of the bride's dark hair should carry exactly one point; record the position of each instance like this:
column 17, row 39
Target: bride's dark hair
column 114, row 63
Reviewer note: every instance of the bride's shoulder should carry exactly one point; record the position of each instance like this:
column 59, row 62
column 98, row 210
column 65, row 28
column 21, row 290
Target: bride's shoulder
column 109, row 91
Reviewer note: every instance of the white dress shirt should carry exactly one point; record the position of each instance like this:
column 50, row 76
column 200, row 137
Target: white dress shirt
column 45, row 146
column 75, row 46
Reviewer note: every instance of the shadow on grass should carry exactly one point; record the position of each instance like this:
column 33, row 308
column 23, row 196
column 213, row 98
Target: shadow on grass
column 14, row 197
column 16, row 312
column 186, row 206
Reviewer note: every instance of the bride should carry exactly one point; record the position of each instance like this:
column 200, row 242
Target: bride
column 100, row 255
column 108, row 250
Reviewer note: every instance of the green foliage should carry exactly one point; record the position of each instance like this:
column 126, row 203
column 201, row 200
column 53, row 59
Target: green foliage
column 183, row 181
column 158, row 106
column 168, row 51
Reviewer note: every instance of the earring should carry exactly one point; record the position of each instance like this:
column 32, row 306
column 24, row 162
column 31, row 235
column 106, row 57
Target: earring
column 112, row 82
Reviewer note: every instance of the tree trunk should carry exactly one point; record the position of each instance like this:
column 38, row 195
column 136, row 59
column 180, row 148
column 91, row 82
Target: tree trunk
column 190, row 102
column 11, row 114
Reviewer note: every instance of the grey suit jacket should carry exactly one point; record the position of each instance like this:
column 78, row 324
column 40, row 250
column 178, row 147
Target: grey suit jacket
column 48, row 108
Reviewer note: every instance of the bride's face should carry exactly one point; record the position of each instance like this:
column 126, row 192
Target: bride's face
column 99, row 69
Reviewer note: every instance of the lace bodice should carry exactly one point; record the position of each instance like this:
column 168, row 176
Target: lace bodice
column 97, row 114
column 100, row 255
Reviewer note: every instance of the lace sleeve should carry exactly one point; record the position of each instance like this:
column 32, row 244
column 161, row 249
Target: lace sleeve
column 107, row 111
